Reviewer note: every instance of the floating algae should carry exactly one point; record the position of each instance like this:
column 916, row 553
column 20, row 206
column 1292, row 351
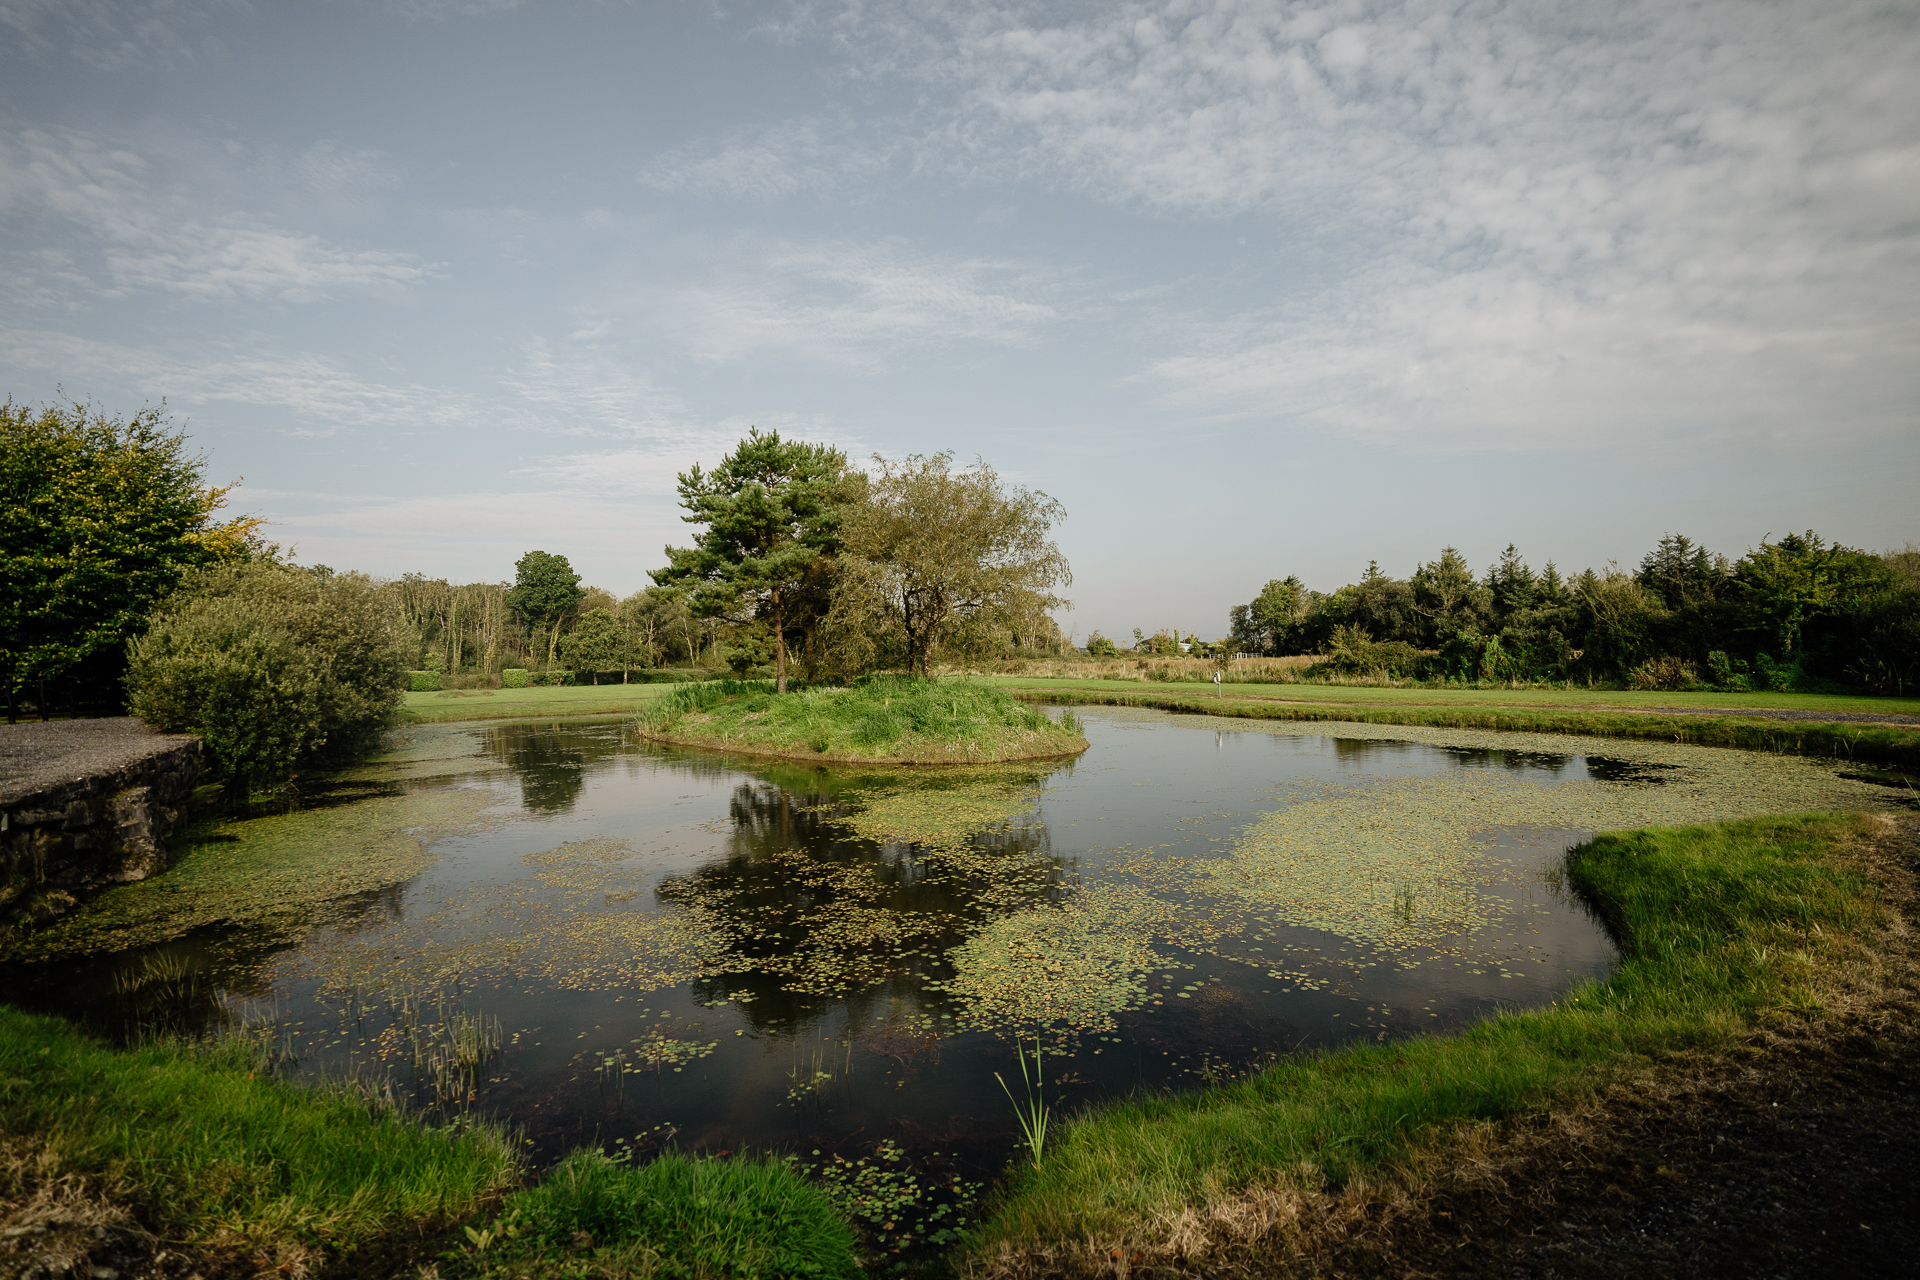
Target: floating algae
column 1175, row 906
column 278, row 875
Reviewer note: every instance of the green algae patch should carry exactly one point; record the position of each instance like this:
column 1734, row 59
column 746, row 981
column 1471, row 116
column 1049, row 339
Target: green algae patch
column 1895, row 745
column 882, row 720
column 280, row 874
column 1723, row 928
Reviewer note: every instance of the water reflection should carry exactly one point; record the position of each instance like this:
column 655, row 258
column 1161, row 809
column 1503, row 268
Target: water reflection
column 816, row 912
column 550, row 760
column 821, row 913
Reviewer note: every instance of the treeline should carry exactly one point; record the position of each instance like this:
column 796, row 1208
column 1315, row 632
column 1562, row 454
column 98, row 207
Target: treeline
column 545, row 621
column 122, row 588
column 1797, row 613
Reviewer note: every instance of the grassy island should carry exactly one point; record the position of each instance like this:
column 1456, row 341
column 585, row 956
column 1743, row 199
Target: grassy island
column 886, row 719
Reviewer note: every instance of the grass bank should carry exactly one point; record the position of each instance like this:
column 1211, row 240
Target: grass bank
column 882, row 720
column 1721, row 928
column 1891, row 745
column 111, row 1157
column 203, row 1147
column 1536, row 696
column 447, row 705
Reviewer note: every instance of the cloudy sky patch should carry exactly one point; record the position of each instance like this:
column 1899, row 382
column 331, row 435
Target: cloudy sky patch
column 1255, row 288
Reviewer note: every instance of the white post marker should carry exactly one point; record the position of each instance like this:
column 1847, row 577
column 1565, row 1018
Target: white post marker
column 1216, row 684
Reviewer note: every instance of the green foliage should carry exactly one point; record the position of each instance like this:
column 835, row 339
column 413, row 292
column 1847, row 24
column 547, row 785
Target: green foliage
column 1836, row 614
column 597, row 643
column 1718, row 925
column 931, row 553
column 99, row 519
column 423, row 681
column 1098, row 646
column 772, row 509
column 545, row 590
column 550, row 679
column 592, row 1216
column 206, row 1146
column 275, row 668
column 1352, row 651
column 514, row 678
column 882, row 717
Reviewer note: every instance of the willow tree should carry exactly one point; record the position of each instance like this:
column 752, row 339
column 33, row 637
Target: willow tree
column 771, row 509
column 931, row 551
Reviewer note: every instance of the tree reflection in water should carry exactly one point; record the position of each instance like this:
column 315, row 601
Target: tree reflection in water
column 818, row 914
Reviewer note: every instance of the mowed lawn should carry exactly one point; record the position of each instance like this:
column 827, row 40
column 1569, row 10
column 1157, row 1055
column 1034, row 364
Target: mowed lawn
column 1582, row 699
column 517, row 704
column 617, row 699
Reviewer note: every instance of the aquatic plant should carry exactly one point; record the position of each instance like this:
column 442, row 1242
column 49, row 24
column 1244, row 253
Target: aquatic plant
column 1030, row 1110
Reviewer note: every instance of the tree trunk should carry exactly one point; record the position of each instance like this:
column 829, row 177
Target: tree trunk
column 779, row 648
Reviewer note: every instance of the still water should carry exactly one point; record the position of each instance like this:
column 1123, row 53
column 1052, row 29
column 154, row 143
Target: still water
column 608, row 943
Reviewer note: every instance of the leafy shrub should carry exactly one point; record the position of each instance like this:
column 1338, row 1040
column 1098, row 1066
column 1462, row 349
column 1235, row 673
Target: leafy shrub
column 1351, row 651
column 514, row 678
column 1669, row 673
column 674, row 1217
column 548, row 679
column 423, row 681
column 1730, row 673
column 276, row 669
column 1098, row 646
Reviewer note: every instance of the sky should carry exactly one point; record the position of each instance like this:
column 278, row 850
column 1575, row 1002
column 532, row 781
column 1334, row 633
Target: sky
column 1252, row 289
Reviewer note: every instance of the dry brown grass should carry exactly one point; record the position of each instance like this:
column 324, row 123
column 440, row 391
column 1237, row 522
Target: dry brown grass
column 54, row 1222
column 1197, row 670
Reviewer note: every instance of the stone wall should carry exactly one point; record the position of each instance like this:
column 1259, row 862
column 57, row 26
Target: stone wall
column 84, row 805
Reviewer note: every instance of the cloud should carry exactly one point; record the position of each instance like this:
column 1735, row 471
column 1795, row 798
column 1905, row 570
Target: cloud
column 329, row 396
column 1513, row 222
column 115, row 35
column 144, row 238
column 790, row 158
column 850, row 304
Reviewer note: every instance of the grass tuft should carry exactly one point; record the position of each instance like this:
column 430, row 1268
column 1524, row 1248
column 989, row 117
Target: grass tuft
column 593, row 1216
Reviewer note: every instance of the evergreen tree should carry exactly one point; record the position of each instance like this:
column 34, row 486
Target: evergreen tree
column 771, row 509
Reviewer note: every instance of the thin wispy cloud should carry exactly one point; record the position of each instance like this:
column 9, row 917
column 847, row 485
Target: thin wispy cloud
column 141, row 237
column 1535, row 218
column 853, row 304
column 789, row 158
column 322, row 395
column 533, row 259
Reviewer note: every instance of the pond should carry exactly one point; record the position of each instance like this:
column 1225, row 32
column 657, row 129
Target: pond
column 610, row 943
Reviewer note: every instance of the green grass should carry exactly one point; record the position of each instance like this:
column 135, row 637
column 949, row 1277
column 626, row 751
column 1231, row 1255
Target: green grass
column 206, row 1148
column 883, row 719
column 1522, row 711
column 1499, row 697
column 209, row 1149
column 1720, row 926
column 515, row 704
column 592, row 1216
